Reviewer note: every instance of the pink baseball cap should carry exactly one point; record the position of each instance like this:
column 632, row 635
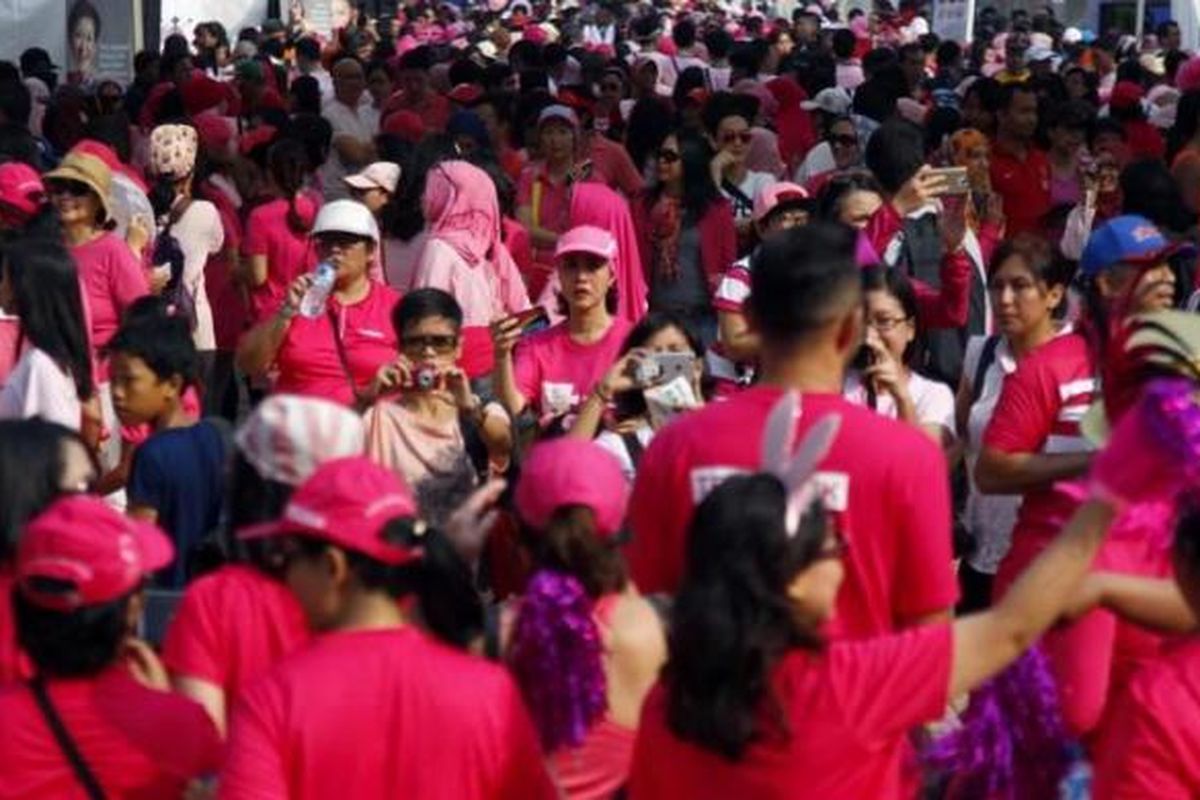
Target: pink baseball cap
column 346, row 502
column 98, row 553
column 21, row 188
column 586, row 239
column 772, row 197
column 572, row 472
column 288, row 436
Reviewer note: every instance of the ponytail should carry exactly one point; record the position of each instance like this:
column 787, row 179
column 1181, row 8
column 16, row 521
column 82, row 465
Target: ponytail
column 288, row 166
column 555, row 657
column 295, row 220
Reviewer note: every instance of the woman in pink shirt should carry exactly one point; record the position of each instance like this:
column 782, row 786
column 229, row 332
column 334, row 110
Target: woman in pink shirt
column 276, row 248
column 585, row 646
column 465, row 257
column 336, row 354
column 544, row 190
column 754, row 702
column 551, row 372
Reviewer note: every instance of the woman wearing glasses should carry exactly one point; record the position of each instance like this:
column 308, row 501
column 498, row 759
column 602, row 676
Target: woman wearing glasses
column 436, row 426
column 728, row 119
column 884, row 380
column 847, row 155
column 686, row 234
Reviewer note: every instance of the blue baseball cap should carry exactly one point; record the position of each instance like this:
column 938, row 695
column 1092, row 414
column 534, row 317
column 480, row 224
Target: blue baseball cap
column 1122, row 240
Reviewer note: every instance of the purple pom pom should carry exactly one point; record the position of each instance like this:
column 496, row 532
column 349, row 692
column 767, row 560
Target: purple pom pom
column 555, row 656
column 1174, row 419
column 1013, row 744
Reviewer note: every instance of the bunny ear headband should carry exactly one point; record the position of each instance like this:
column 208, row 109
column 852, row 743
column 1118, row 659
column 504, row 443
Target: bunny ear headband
column 796, row 471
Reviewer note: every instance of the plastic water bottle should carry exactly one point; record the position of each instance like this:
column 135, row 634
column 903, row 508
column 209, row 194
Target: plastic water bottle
column 313, row 303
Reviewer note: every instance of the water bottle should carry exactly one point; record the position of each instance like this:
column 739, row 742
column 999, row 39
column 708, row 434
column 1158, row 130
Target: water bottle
column 313, row 304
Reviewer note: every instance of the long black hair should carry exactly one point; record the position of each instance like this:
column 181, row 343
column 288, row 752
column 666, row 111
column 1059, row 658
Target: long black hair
column 732, row 620
column 32, row 457
column 69, row 644
column 47, row 297
column 645, row 131
column 894, row 282
column 699, row 191
column 632, row 404
column 287, row 164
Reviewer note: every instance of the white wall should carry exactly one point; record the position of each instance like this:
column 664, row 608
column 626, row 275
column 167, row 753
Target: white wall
column 33, row 23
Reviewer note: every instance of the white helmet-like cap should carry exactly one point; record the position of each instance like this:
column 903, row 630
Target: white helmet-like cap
column 346, row 216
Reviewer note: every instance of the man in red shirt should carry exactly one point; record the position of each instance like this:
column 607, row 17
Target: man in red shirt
column 885, row 481
column 77, row 593
column 1020, row 171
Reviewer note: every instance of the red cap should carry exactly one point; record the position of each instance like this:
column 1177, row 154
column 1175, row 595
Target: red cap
column 465, row 93
column 215, row 133
column 21, row 188
column 101, row 553
column 1125, row 94
column 407, row 125
column 200, row 93
column 572, row 472
column 346, row 502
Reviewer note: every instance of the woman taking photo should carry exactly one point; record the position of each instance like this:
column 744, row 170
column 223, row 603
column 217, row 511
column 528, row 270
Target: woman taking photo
column 1028, row 286
column 236, row 622
column 552, row 372
column 436, row 426
column 634, row 421
column 365, row 567
column 335, row 354
column 885, row 381
column 754, row 702
column 276, row 249
column 52, row 378
column 464, row 256
column 583, row 644
column 686, row 234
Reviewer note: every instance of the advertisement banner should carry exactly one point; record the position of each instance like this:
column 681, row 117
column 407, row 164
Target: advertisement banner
column 952, row 19
column 182, row 16
column 100, row 44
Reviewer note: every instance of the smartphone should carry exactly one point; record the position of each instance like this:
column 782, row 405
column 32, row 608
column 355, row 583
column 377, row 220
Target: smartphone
column 954, row 180
column 674, row 365
column 533, row 320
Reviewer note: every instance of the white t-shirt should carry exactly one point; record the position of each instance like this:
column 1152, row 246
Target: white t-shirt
column 200, row 235
column 362, row 124
column 615, row 444
column 38, row 387
column 751, row 185
column 932, row 400
column 818, row 161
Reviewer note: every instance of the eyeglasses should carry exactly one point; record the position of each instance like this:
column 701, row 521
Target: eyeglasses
column 736, row 136
column 667, row 156
column 843, row 140
column 339, row 241
column 441, row 344
column 73, row 188
column 886, row 324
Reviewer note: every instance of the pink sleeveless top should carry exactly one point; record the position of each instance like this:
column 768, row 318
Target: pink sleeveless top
column 600, row 765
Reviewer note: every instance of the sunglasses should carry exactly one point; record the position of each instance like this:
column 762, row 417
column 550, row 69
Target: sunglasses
column 667, row 156
column 441, row 344
column 844, row 140
column 73, row 188
column 736, row 136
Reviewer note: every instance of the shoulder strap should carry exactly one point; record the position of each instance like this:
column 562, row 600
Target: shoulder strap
column 65, row 743
column 986, row 356
column 360, row 399
column 634, row 446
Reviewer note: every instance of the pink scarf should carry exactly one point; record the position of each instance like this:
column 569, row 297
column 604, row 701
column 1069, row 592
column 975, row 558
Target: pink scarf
column 596, row 204
column 461, row 209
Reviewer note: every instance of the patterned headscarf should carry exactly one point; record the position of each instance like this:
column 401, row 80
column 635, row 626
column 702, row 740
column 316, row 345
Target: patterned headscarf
column 173, row 150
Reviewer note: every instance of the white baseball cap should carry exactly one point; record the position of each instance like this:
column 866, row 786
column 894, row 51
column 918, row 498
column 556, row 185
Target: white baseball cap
column 380, row 175
column 831, row 101
column 346, row 216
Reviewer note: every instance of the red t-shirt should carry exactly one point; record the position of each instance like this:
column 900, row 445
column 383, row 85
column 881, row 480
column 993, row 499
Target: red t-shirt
column 232, row 626
column 555, row 373
column 1154, row 747
column 288, row 253
column 884, row 481
column 224, row 297
column 1145, row 140
column 848, row 711
column 1039, row 410
column 308, row 359
column 375, row 714
column 1024, row 186
column 138, row 742
column 112, row 279
column 14, row 664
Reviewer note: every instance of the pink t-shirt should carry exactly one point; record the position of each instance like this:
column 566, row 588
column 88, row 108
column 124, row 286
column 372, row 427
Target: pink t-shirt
column 308, row 359
column 112, row 279
column 232, row 626
column 10, row 335
column 375, row 714
column 14, row 664
column 848, row 712
column 1154, row 750
column 289, row 254
column 555, row 373
column 883, row 481
column 138, row 742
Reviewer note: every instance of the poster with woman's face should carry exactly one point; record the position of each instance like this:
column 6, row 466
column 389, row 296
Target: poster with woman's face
column 83, row 38
column 99, row 47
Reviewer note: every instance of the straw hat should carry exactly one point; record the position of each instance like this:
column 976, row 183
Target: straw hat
column 88, row 170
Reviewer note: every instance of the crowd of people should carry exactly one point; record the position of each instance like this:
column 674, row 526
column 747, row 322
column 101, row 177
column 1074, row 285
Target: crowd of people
column 603, row 400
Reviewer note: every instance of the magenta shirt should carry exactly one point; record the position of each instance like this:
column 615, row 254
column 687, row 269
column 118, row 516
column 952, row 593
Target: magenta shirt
column 555, row 373
column 288, row 252
column 112, row 279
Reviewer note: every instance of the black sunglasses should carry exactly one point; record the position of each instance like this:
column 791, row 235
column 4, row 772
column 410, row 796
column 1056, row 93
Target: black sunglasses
column 65, row 186
column 667, row 156
column 844, row 139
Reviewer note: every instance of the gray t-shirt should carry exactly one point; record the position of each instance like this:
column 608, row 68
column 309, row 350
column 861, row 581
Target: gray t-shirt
column 688, row 292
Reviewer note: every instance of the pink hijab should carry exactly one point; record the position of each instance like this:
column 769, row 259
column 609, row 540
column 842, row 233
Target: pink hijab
column 596, row 204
